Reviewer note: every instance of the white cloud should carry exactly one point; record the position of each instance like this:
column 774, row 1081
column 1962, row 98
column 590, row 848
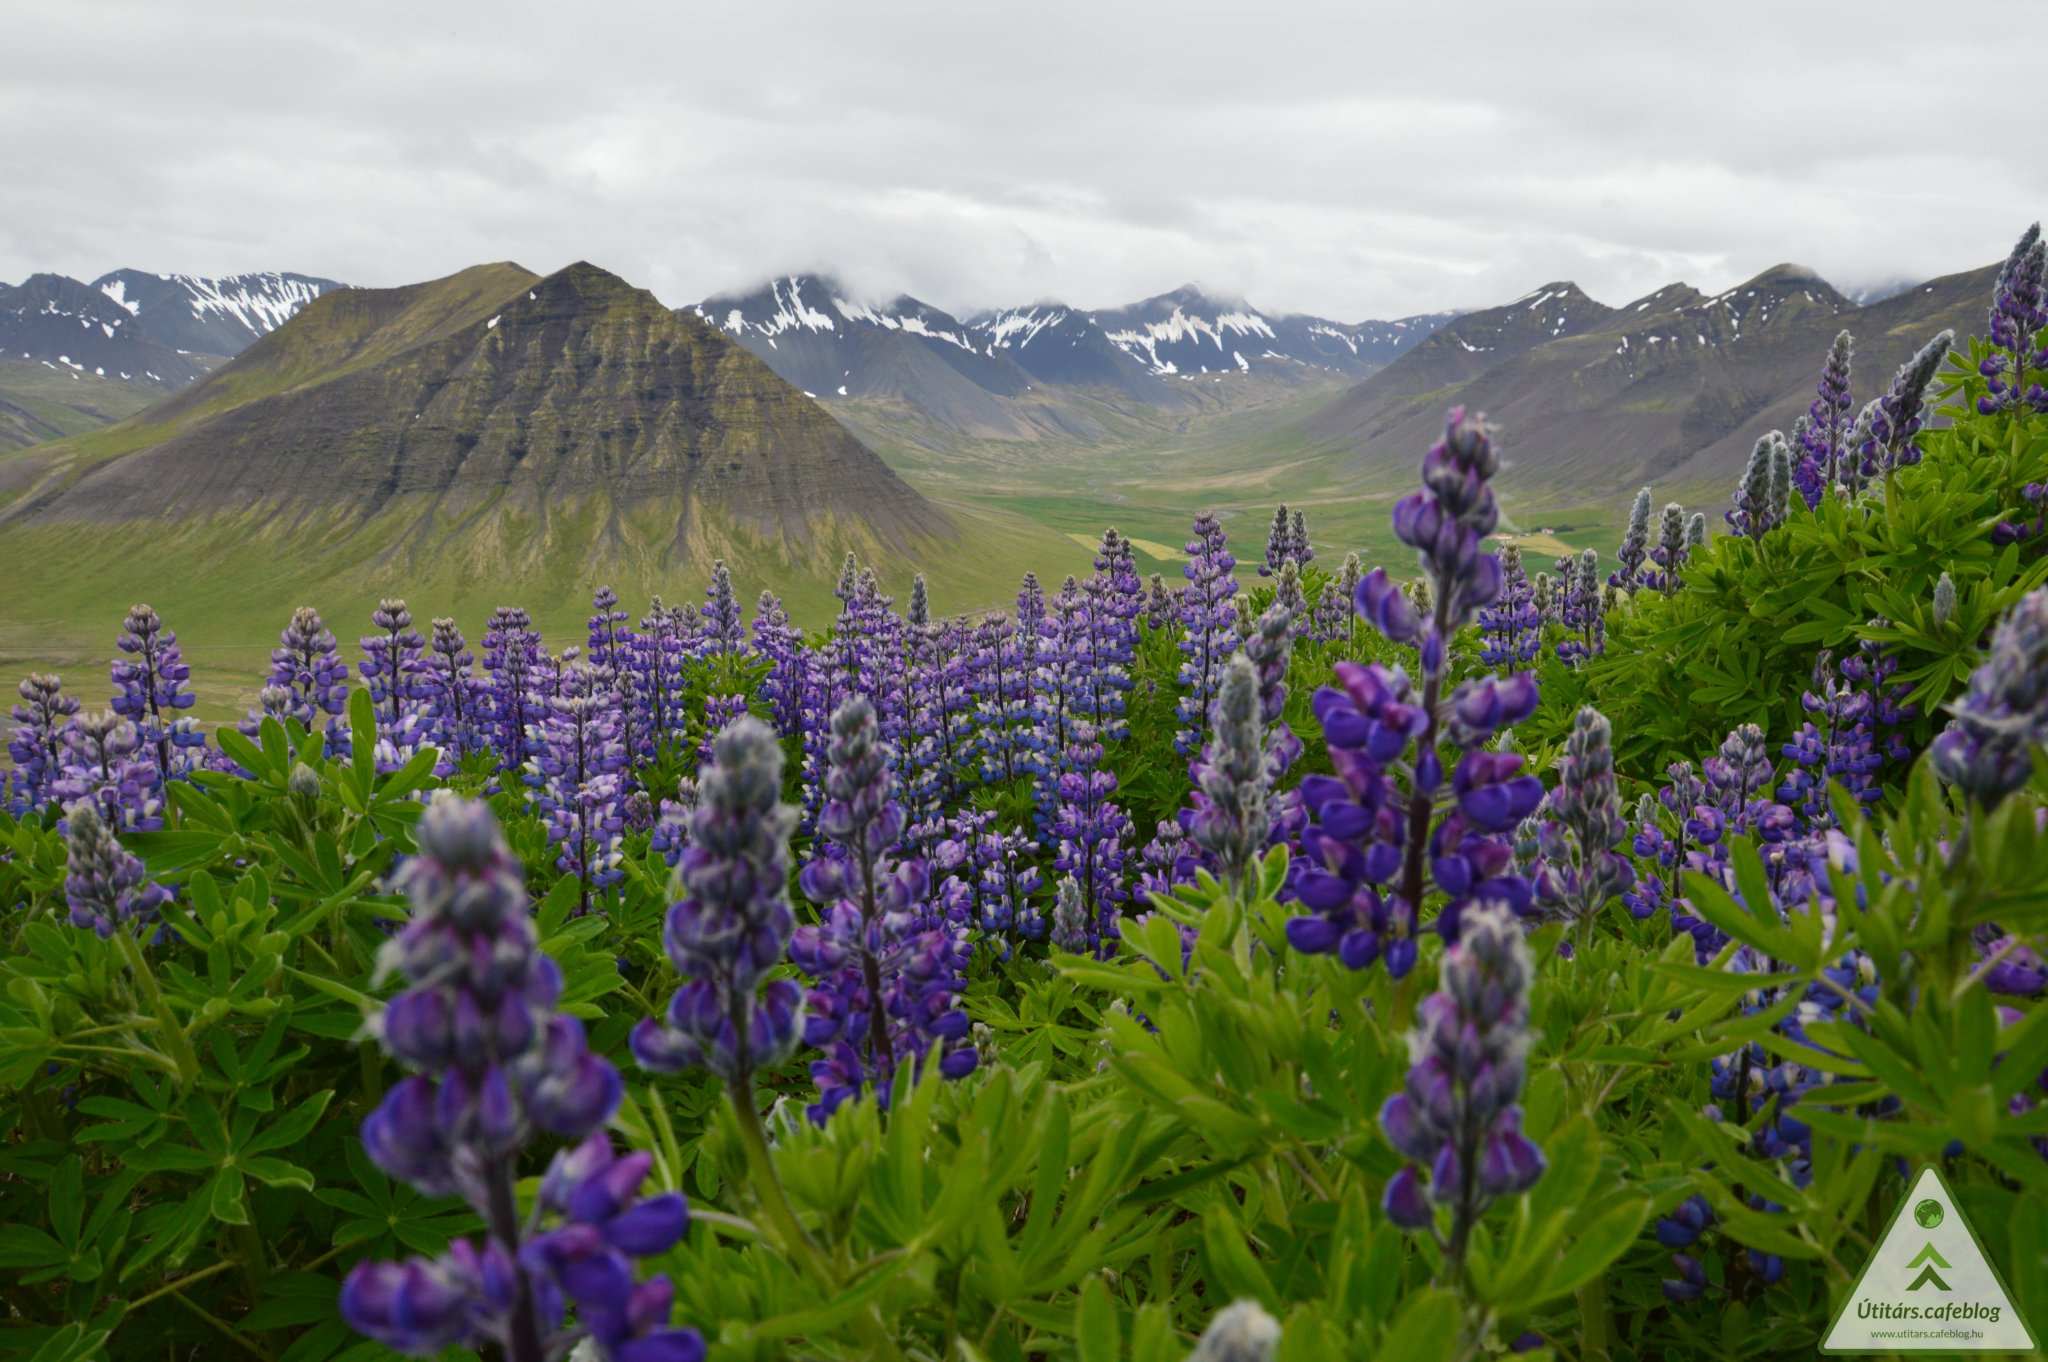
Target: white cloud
column 1349, row 159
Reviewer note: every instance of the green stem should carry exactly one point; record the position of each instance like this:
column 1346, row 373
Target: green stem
column 249, row 1248
column 179, row 1285
column 1596, row 1321
column 781, row 1216
column 218, row 1323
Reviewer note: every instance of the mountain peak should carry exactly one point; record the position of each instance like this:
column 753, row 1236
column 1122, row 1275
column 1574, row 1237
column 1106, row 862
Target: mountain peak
column 1788, row 276
column 584, row 280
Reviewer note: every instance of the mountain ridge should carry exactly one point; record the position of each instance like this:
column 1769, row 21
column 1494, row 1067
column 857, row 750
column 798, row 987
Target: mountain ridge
column 1670, row 387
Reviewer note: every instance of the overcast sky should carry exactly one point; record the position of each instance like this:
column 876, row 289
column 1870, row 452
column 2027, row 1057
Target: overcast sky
column 1350, row 159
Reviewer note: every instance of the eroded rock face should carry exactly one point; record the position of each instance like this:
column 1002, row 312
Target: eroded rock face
column 568, row 396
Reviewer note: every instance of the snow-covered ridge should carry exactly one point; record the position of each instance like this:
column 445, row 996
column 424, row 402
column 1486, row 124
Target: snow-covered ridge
column 1019, row 326
column 785, row 309
column 1180, row 327
column 256, row 303
column 261, row 302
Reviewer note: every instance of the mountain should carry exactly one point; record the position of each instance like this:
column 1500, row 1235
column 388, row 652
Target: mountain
column 1187, row 332
column 476, row 436
column 124, row 341
column 211, row 316
column 912, row 373
column 1675, row 387
column 1064, row 347
column 903, row 352
column 61, row 323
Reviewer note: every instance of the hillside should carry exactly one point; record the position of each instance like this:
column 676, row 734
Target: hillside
column 1673, row 388
column 485, row 438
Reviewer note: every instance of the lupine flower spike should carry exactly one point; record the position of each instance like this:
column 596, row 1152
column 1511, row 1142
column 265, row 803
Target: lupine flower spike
column 494, row 1066
column 1392, row 823
column 1458, row 1114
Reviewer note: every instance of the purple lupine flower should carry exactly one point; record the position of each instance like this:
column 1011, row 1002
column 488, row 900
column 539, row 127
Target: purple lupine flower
column 2021, row 530
column 104, row 882
column 1006, row 657
column 1304, row 552
column 1635, row 547
column 149, row 687
column 511, row 652
column 2019, row 312
column 37, row 744
column 724, row 631
column 1159, row 609
column 1765, row 490
column 308, row 681
column 495, row 1064
column 1267, row 650
column 998, row 876
column 878, row 640
column 860, row 657
column 1582, row 823
column 886, row 977
column 671, row 831
column 1841, row 748
column 2010, row 967
column 1369, row 859
column 1734, row 798
column 943, row 663
column 1163, row 857
column 1331, row 616
column 1511, row 629
column 657, row 652
column 1060, row 688
column 1288, row 594
column 719, row 711
column 1073, row 930
column 1114, row 599
column 733, row 921
column 1872, row 666
column 392, row 669
column 1458, row 1115
column 1988, row 747
column 780, row 646
column 1280, row 547
column 1827, row 430
column 448, row 688
column 1230, row 819
column 1090, row 830
column 1209, row 614
column 1890, row 424
column 612, row 648
column 576, row 773
column 1579, row 609
column 1671, row 551
column 100, row 765
column 1270, row 649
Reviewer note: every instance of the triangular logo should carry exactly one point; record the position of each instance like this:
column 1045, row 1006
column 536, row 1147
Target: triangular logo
column 1930, row 1287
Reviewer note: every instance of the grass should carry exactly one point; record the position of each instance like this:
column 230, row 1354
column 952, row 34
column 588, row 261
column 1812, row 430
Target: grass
column 39, row 402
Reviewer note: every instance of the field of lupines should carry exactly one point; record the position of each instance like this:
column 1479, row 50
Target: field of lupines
column 1424, row 962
